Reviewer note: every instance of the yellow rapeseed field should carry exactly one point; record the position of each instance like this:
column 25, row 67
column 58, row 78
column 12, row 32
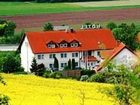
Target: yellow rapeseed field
column 33, row 90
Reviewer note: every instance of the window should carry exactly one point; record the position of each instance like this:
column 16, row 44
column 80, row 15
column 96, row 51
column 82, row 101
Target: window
column 76, row 64
column 51, row 56
column 40, row 56
column 51, row 45
column 63, row 45
column 74, row 44
column 63, row 55
column 98, row 53
column 63, row 64
column 50, row 65
column 74, row 54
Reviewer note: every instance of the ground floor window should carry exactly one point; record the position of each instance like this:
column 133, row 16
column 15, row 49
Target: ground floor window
column 63, row 64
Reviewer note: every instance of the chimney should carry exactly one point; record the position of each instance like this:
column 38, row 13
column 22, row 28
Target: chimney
column 72, row 30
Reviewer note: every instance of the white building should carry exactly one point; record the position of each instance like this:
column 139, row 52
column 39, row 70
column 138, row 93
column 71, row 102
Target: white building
column 120, row 55
column 84, row 46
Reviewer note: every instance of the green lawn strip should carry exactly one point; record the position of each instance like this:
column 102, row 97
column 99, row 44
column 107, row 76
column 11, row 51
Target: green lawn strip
column 30, row 8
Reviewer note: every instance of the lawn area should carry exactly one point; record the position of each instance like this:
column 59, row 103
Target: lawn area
column 26, row 8
column 33, row 90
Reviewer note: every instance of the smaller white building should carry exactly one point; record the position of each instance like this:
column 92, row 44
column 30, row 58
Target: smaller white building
column 120, row 55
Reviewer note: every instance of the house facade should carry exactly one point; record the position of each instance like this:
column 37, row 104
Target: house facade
column 120, row 55
column 84, row 46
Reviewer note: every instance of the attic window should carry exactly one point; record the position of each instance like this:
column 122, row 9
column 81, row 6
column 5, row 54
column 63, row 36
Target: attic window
column 51, row 45
column 62, row 45
column 74, row 44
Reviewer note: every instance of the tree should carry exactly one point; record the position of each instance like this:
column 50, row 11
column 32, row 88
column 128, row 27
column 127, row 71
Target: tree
column 56, row 64
column 48, row 27
column 73, row 64
column 69, row 64
column 34, row 66
column 40, row 70
column 10, row 28
column 11, row 63
column 126, row 34
column 111, row 25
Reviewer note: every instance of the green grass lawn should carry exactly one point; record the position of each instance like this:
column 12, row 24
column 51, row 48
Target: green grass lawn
column 25, row 8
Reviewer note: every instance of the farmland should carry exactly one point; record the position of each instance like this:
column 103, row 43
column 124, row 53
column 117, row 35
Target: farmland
column 71, row 18
column 30, row 8
column 32, row 90
column 31, row 16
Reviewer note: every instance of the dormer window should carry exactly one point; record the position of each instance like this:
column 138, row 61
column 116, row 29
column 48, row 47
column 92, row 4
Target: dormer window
column 74, row 44
column 51, row 44
column 63, row 44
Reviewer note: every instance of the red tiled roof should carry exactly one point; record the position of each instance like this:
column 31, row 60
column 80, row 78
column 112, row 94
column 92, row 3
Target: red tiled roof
column 89, row 40
column 90, row 58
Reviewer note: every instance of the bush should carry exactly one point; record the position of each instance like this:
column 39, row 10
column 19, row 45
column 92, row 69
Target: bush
column 97, row 78
column 47, row 74
column 4, row 100
column 11, row 63
column 84, row 78
column 111, row 25
column 40, row 70
column 48, row 27
column 87, row 72
column 56, row 75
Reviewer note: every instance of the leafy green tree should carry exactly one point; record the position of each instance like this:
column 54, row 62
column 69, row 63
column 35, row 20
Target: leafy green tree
column 11, row 63
column 111, row 25
column 10, row 28
column 56, row 63
column 126, row 34
column 73, row 64
column 48, row 27
column 34, row 66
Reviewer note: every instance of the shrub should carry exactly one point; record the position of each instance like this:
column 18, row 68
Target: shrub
column 3, row 99
column 47, row 74
column 56, row 75
column 111, row 25
column 11, row 63
column 87, row 72
column 40, row 70
column 97, row 78
column 84, row 78
column 48, row 27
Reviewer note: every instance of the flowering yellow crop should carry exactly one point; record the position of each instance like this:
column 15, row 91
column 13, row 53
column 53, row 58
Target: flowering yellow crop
column 33, row 90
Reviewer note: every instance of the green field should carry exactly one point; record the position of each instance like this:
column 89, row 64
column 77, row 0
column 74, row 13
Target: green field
column 26, row 8
column 33, row 90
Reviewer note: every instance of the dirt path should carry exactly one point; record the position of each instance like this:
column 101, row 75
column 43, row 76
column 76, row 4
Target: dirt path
column 75, row 17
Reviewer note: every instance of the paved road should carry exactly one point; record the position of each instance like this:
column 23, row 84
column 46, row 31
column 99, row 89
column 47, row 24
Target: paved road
column 7, row 47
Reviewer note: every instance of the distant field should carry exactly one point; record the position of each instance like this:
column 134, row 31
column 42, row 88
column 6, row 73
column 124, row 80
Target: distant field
column 33, row 90
column 30, row 8
column 109, row 3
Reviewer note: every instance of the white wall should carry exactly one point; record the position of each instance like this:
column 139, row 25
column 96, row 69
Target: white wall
column 46, row 61
column 26, row 55
column 126, row 57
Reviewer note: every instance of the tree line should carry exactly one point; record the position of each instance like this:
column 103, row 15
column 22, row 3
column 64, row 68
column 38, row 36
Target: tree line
column 40, row 1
